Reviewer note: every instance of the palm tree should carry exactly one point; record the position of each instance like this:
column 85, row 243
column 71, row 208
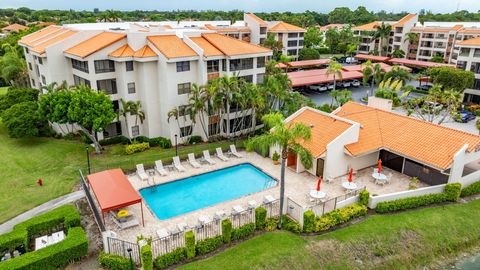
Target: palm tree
column 287, row 136
column 13, row 68
column 398, row 53
column 136, row 109
column 335, row 69
column 197, row 102
column 373, row 71
column 397, row 73
column 412, row 38
column 227, row 87
column 124, row 111
column 382, row 32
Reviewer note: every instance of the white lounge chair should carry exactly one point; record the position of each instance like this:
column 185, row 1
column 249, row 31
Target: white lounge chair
column 141, row 172
column 233, row 151
column 162, row 233
column 193, row 161
column 220, row 154
column 126, row 222
column 207, row 158
column 159, row 168
column 177, row 164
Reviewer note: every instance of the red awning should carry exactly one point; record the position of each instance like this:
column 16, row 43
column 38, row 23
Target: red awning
column 385, row 67
column 374, row 58
column 318, row 76
column 304, row 63
column 417, row 63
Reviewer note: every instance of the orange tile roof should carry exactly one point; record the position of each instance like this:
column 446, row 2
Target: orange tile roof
column 285, row 27
column 94, row 44
column 470, row 30
column 232, row 46
column 457, row 27
column 324, row 130
column 257, row 19
column 124, row 51
column 207, row 47
column 419, row 140
column 470, row 42
column 171, row 46
column 367, row 27
column 14, row 27
column 28, row 39
column 233, row 29
column 41, row 46
column 404, row 20
column 145, row 51
column 332, row 25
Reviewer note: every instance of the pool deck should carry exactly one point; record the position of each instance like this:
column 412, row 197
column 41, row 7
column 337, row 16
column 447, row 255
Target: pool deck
column 297, row 188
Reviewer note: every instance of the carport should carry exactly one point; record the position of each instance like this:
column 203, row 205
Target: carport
column 373, row 58
column 417, row 63
column 319, row 76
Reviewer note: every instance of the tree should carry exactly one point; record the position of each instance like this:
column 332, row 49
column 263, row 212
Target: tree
column 13, row 68
column 17, row 95
column 24, row 120
column 389, row 89
column 398, row 73
column 382, row 33
column 335, row 69
column 452, row 78
column 295, row 101
column 197, row 102
column 412, row 38
column 287, row 137
column 273, row 44
column 437, row 59
column 340, row 97
column 54, row 108
column 313, row 37
column 340, row 15
column 124, row 111
column 308, row 54
column 371, row 71
column 362, row 16
column 398, row 53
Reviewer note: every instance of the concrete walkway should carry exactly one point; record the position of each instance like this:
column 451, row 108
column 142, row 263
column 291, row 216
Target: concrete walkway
column 71, row 197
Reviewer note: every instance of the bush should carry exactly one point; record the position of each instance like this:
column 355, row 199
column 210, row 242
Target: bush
column 160, row 141
column 453, row 191
column 290, row 224
column 190, row 244
column 171, row 258
column 325, row 108
column 308, row 54
column 323, row 50
column 227, row 230
column 271, row 224
column 260, row 218
column 113, row 262
column 73, row 247
column 194, row 140
column 364, row 197
column 208, row 245
column 339, row 216
column 136, row 147
column 471, row 190
column 114, row 140
column 147, row 257
column 308, row 221
column 243, row 231
column 275, row 156
column 141, row 139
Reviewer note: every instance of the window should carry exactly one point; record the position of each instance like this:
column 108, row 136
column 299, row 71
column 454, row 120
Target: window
column 108, row 86
column 79, row 81
column 185, row 131
column 80, row 65
column 213, row 129
column 184, row 88
column 241, row 64
column 102, row 66
column 462, row 65
column 26, row 50
column 183, row 66
column 300, row 34
column 262, row 40
column 37, row 70
column 44, row 81
column 40, row 61
column 260, row 78
column 135, row 131
column 292, row 35
column 129, row 65
column 292, row 52
column 33, row 82
column 182, row 110
column 263, row 30
column 131, row 88
column 224, row 64
column 116, row 105
column 476, row 53
column 212, row 66
column 292, row 43
column 300, row 43
column 464, row 51
column 476, row 85
column 30, row 66
column 475, row 68
column 260, row 62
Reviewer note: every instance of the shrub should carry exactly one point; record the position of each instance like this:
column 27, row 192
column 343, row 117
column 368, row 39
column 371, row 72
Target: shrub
column 339, row 216
column 471, row 190
column 477, row 112
column 73, row 247
column 260, row 218
column 325, row 107
column 113, row 262
column 171, row 258
column 115, row 140
column 308, row 221
column 147, row 257
column 194, row 140
column 452, row 191
column 243, row 231
column 208, row 245
column 141, row 139
column 290, row 224
column 271, row 224
column 227, row 230
column 275, row 156
column 190, row 244
column 364, row 197
column 160, row 141
column 136, row 147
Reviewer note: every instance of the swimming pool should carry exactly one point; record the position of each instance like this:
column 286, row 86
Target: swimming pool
column 186, row 195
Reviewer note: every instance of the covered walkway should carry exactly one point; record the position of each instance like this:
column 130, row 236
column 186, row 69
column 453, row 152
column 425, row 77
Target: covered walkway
column 417, row 63
column 319, row 76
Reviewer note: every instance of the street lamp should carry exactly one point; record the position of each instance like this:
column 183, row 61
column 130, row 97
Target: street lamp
column 176, row 146
column 130, row 255
column 88, row 159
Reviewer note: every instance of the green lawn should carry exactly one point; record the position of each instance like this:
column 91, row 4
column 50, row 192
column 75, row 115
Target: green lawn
column 408, row 240
column 56, row 162
column 3, row 90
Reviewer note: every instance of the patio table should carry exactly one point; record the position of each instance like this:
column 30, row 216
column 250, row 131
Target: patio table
column 380, row 178
column 349, row 185
column 317, row 194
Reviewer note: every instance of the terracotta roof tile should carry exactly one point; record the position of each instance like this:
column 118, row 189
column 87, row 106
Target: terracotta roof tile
column 285, row 27
column 207, row 47
column 470, row 42
column 145, row 51
column 367, row 27
column 14, row 28
column 257, row 19
column 404, row 20
column 232, row 46
column 94, row 44
column 124, row 51
column 470, row 30
column 171, row 46
column 29, row 39
column 44, row 43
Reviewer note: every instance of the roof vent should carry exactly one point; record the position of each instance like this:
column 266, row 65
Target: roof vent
column 311, row 125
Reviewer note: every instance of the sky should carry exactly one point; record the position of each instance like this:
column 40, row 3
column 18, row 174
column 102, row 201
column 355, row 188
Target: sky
column 441, row 6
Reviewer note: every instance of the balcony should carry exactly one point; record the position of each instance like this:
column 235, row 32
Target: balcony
column 213, row 75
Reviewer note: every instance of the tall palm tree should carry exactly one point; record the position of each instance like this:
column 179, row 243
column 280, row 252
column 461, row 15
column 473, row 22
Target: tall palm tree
column 335, row 69
column 124, row 111
column 287, row 136
column 197, row 102
column 382, row 32
column 412, row 38
column 227, row 87
column 373, row 71
column 136, row 109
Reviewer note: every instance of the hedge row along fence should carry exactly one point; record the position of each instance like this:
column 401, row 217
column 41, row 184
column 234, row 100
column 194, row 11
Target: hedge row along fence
column 473, row 189
column 73, row 247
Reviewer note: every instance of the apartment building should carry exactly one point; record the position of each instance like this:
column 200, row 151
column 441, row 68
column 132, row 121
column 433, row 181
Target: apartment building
column 156, row 64
column 469, row 59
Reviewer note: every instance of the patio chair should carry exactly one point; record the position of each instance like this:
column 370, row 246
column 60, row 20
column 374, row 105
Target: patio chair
column 177, row 164
column 124, row 223
column 159, row 168
column 233, row 151
column 389, row 177
column 141, row 172
column 193, row 161
column 329, row 179
column 220, row 154
column 207, row 158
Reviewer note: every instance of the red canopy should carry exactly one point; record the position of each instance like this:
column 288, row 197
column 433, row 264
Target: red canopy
column 304, row 63
column 417, row 63
column 318, row 76
column 113, row 190
column 374, row 58
column 385, row 67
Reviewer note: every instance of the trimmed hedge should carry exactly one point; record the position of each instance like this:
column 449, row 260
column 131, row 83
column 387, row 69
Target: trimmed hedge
column 194, row 140
column 260, row 218
column 290, row 224
column 227, row 230
column 147, row 257
column 364, row 197
column 113, row 262
column 114, row 140
column 339, row 216
column 471, row 190
column 451, row 193
column 136, row 148
column 271, row 224
column 160, row 141
column 243, row 231
column 190, row 244
column 73, row 247
column 171, row 258
column 208, row 245
column 308, row 221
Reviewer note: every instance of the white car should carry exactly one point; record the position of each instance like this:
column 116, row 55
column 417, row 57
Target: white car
column 330, row 86
column 318, row 88
column 355, row 83
column 323, row 88
column 346, row 84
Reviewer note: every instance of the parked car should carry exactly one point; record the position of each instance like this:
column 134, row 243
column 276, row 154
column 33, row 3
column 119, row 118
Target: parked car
column 356, row 83
column 318, row 88
column 323, row 87
column 430, row 106
column 330, row 86
column 465, row 116
column 346, row 84
column 351, row 60
column 425, row 87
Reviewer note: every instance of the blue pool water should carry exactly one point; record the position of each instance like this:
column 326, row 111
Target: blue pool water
column 196, row 192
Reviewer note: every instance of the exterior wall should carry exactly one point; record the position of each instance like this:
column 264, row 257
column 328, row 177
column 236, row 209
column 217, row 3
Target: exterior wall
column 461, row 159
column 336, row 161
column 465, row 61
column 254, row 29
column 404, row 194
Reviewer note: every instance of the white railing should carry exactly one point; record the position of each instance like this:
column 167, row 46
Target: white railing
column 405, row 194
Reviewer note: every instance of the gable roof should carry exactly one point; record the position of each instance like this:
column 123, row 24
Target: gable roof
column 207, row 47
column 124, row 51
column 231, row 46
column 257, row 19
column 404, row 20
column 40, row 46
column 285, row 27
column 15, row 27
column 94, row 44
column 171, row 46
column 145, row 51
column 366, row 27
column 29, row 39
column 470, row 42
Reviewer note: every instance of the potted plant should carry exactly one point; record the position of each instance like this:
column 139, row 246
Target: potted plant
column 275, row 158
column 413, row 183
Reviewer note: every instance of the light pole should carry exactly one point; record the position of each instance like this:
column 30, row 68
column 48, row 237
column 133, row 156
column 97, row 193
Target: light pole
column 176, row 146
column 88, row 159
column 130, row 255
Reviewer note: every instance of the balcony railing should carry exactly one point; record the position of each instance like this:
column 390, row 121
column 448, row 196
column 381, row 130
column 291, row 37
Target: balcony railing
column 213, row 75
